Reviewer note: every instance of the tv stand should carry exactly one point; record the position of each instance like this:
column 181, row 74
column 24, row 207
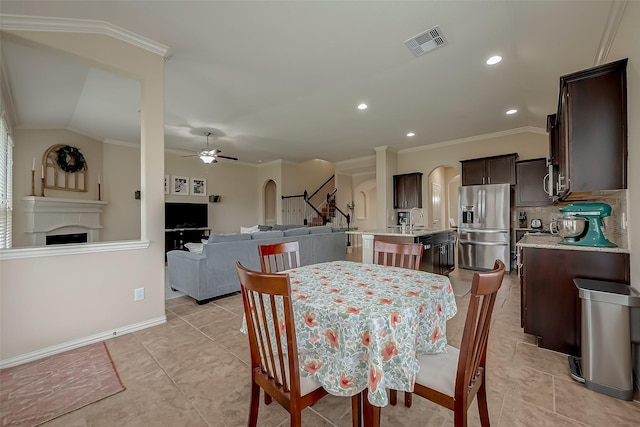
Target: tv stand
column 175, row 238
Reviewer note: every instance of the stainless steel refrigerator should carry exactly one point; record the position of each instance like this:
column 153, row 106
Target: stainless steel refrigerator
column 483, row 226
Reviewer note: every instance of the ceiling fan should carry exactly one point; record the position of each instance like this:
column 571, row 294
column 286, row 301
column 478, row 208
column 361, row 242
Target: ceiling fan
column 210, row 155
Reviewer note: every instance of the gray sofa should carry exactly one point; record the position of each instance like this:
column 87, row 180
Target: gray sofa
column 212, row 273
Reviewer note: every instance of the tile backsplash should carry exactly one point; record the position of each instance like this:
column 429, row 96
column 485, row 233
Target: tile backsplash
column 614, row 229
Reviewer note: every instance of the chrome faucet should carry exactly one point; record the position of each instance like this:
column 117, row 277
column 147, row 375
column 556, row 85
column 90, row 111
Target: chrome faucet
column 411, row 221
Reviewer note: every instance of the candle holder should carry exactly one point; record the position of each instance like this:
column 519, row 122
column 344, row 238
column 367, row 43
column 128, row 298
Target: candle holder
column 42, row 187
column 33, row 182
column 99, row 192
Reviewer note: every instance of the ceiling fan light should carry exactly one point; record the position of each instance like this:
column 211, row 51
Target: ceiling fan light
column 207, row 158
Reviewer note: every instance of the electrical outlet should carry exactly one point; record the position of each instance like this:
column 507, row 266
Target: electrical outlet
column 138, row 294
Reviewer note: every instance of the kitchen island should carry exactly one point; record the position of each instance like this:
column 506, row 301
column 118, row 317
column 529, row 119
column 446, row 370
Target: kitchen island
column 438, row 245
column 550, row 306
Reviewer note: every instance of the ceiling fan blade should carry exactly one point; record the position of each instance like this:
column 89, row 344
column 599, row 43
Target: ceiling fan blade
column 190, row 155
column 226, row 157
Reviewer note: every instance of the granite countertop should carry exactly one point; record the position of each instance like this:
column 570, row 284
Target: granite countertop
column 397, row 231
column 551, row 241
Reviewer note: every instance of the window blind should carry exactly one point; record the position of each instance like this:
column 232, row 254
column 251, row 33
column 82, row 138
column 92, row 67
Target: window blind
column 6, row 184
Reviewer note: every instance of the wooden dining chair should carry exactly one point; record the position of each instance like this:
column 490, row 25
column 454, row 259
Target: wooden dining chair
column 405, row 255
column 272, row 341
column 279, row 256
column 453, row 378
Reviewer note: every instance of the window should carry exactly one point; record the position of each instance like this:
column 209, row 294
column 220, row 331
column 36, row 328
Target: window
column 6, row 184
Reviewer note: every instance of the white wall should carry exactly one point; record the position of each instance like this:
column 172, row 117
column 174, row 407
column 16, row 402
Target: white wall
column 52, row 301
column 626, row 46
column 30, row 144
column 120, row 180
column 236, row 184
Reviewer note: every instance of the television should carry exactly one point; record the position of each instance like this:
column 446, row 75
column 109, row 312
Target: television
column 186, row 215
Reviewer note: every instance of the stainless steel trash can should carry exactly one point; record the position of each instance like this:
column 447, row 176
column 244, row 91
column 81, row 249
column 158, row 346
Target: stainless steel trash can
column 606, row 336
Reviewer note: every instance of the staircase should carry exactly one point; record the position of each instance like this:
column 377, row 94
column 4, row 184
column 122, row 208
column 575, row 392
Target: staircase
column 327, row 213
column 300, row 209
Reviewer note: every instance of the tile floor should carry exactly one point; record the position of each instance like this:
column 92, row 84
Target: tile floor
column 193, row 371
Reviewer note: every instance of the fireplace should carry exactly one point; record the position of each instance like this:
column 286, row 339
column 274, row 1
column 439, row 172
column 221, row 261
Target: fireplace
column 58, row 220
column 65, row 239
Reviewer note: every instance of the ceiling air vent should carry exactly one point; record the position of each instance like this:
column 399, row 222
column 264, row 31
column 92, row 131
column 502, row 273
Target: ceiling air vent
column 426, row 41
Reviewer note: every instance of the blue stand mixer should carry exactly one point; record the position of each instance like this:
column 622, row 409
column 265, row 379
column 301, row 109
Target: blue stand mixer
column 591, row 215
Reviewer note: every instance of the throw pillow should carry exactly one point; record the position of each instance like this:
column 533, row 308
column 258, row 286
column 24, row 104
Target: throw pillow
column 194, row 247
column 250, row 229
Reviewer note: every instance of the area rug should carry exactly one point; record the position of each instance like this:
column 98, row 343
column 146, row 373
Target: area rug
column 44, row 389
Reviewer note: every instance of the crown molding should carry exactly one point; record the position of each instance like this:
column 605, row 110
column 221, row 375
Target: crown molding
column 516, row 131
column 7, row 106
column 610, row 30
column 69, row 25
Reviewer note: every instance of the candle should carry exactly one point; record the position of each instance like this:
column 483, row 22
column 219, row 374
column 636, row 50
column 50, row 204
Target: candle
column 42, row 171
column 99, row 179
column 33, row 164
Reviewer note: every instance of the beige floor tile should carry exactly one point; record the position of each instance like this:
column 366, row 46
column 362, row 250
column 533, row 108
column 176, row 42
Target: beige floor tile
column 232, row 303
column 517, row 413
column 544, row 360
column 579, row 403
column 152, row 399
column 194, row 371
column 524, row 383
column 181, row 358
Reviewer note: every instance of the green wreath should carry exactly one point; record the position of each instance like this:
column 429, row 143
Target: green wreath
column 70, row 159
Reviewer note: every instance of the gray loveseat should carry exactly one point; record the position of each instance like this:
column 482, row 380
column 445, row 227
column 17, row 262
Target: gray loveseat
column 212, row 273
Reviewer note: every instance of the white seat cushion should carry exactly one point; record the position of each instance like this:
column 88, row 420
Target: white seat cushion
column 307, row 385
column 438, row 371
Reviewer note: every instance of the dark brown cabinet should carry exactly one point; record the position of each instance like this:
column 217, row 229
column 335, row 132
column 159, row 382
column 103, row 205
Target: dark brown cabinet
column 490, row 170
column 532, row 175
column 550, row 306
column 438, row 254
column 407, row 190
column 589, row 151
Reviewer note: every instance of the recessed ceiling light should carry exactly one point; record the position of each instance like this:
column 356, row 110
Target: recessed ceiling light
column 494, row 60
column 512, row 111
column 362, row 106
column 411, row 134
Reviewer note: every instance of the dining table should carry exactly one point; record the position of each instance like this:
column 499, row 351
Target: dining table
column 359, row 327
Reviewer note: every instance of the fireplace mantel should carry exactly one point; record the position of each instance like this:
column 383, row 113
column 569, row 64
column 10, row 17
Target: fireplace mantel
column 55, row 216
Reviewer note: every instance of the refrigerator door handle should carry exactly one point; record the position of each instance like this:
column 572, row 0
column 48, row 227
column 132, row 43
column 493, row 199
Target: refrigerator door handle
column 472, row 242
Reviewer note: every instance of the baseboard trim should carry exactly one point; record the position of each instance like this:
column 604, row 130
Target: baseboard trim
column 70, row 345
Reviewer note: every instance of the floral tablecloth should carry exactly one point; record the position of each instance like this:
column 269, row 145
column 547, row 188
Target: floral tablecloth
column 361, row 325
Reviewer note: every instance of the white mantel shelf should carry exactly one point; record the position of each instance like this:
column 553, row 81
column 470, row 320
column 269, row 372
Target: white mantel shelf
column 37, row 202
column 47, row 216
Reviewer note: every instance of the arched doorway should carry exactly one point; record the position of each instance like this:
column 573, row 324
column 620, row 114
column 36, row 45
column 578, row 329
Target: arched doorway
column 270, row 202
column 442, row 197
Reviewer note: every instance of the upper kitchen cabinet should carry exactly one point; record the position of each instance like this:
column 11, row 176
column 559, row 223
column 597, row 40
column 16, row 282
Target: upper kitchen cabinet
column 532, row 176
column 407, row 190
column 589, row 151
column 490, row 170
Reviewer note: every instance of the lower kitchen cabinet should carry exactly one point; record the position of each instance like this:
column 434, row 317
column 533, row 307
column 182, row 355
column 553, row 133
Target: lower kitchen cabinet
column 550, row 305
column 438, row 254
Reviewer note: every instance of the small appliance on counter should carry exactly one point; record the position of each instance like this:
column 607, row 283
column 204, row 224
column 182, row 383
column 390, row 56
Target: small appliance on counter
column 522, row 219
column 536, row 224
column 582, row 225
column 403, row 217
